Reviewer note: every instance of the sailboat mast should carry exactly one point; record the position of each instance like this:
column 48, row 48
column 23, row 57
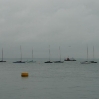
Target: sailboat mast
column 93, row 53
column 21, row 53
column 87, row 52
column 32, row 54
column 49, row 52
column 2, row 54
column 60, row 53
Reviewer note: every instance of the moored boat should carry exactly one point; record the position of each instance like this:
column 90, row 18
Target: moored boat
column 85, row 62
column 48, row 62
column 31, row 61
column 60, row 57
column 2, row 57
column 58, row 61
column 93, row 62
column 49, row 57
column 19, row 62
column 69, row 59
column 20, row 59
column 93, row 57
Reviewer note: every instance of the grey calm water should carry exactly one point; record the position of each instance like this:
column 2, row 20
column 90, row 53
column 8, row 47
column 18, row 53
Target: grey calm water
column 69, row 80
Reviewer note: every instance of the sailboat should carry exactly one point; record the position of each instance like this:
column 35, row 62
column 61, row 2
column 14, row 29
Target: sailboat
column 60, row 58
column 93, row 57
column 32, row 59
column 49, row 57
column 20, row 58
column 2, row 57
column 86, row 62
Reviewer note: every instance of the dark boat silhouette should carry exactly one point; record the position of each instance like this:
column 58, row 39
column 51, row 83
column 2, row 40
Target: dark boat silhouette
column 93, row 62
column 2, row 61
column 19, row 62
column 48, row 62
column 68, row 59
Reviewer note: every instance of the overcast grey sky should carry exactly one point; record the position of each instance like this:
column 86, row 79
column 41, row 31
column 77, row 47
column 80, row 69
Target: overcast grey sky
column 70, row 24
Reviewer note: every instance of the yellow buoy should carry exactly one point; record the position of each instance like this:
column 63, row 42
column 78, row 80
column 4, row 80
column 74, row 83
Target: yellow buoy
column 24, row 74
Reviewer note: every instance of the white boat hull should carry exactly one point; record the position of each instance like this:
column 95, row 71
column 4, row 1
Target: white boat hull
column 85, row 62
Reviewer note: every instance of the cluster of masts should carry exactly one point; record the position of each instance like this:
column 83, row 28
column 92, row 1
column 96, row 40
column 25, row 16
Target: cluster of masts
column 67, row 59
column 88, row 62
